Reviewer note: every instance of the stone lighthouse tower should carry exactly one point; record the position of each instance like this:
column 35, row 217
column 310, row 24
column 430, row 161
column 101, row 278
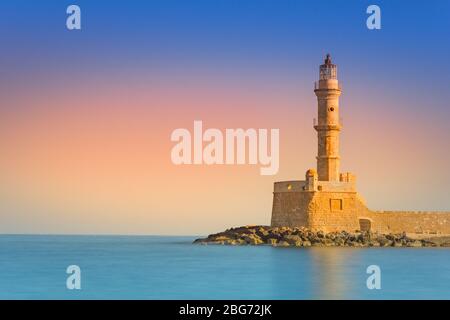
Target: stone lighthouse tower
column 328, row 126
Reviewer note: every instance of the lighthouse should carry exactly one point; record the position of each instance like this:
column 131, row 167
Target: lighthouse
column 327, row 200
column 327, row 124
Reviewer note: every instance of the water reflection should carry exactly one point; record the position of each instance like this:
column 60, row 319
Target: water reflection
column 333, row 277
column 321, row 273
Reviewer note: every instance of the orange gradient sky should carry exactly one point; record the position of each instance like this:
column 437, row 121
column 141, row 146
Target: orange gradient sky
column 96, row 159
column 86, row 117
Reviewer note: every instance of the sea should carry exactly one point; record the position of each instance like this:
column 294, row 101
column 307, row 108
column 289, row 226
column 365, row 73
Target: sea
column 167, row 267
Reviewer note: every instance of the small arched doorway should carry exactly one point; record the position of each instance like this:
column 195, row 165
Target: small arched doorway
column 365, row 224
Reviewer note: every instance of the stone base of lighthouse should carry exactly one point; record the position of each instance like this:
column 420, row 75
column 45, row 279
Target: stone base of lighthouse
column 336, row 206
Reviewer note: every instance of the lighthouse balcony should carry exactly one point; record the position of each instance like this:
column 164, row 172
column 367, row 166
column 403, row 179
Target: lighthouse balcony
column 329, row 84
column 327, row 125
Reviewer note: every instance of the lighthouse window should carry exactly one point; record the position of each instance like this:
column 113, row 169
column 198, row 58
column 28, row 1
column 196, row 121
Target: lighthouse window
column 332, row 109
column 336, row 205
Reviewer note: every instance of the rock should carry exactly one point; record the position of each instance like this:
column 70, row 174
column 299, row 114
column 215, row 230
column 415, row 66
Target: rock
column 388, row 243
column 314, row 239
column 222, row 238
column 364, row 238
column 262, row 233
column 302, row 237
column 426, row 243
column 374, row 243
column 327, row 242
column 251, row 238
column 298, row 243
column 306, row 243
column 255, row 241
column 292, row 239
column 383, row 241
column 282, row 244
column 354, row 244
column 415, row 244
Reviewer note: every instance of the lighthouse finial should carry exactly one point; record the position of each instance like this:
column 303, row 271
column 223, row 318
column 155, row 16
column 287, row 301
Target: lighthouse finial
column 328, row 59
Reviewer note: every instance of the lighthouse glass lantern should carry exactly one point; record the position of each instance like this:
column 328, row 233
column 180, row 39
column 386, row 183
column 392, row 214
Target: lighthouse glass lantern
column 328, row 70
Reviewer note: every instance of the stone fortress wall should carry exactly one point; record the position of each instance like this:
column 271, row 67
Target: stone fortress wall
column 340, row 207
column 418, row 222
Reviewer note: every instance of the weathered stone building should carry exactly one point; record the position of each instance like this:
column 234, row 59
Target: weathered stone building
column 327, row 199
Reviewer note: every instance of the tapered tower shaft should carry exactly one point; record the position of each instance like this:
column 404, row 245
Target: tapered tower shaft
column 328, row 125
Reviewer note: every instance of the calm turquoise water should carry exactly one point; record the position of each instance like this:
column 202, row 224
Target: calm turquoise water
column 34, row 267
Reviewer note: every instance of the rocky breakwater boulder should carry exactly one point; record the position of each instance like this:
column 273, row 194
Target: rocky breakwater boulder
column 302, row 237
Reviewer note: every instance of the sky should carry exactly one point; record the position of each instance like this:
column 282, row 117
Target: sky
column 86, row 115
